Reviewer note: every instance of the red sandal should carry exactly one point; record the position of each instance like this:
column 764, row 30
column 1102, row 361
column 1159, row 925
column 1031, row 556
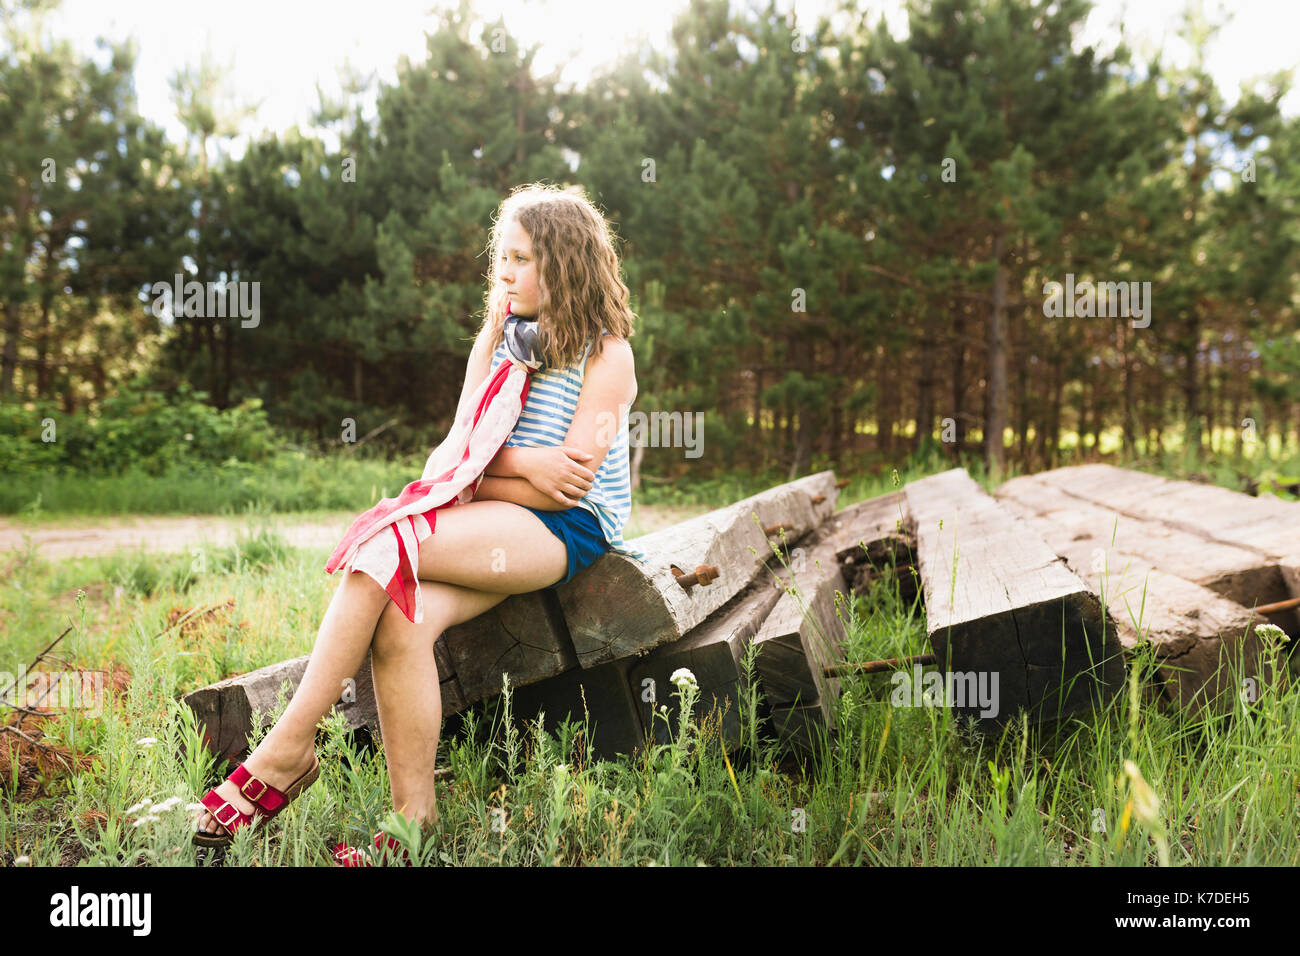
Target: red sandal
column 387, row 852
column 267, row 802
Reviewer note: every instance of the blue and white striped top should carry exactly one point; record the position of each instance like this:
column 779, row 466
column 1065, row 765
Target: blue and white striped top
column 545, row 419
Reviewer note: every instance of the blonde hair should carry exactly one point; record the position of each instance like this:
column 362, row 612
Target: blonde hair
column 580, row 292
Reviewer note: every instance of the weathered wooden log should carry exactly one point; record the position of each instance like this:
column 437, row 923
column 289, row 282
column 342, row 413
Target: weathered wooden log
column 800, row 727
column 617, row 606
column 870, row 537
column 225, row 709
column 603, row 693
column 999, row 600
column 524, row 636
column 803, row 633
column 1142, row 570
column 1266, row 525
column 712, row 651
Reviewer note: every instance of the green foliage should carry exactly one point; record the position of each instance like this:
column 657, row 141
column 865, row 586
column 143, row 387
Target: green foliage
column 137, row 428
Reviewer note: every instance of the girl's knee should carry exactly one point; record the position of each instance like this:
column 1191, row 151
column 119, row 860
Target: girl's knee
column 395, row 636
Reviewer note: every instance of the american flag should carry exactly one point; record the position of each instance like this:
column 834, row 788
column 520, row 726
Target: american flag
column 384, row 542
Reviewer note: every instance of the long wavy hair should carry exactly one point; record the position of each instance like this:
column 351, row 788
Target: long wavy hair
column 580, row 291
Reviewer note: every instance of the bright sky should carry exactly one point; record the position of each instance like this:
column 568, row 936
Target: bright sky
column 281, row 49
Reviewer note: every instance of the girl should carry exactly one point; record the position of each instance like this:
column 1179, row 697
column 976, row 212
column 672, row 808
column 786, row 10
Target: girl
column 554, row 499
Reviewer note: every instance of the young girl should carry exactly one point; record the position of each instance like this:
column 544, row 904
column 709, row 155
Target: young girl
column 553, row 500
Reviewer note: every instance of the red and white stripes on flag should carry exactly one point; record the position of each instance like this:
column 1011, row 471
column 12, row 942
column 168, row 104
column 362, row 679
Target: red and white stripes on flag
column 385, row 541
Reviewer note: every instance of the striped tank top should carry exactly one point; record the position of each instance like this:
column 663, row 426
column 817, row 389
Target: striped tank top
column 545, row 420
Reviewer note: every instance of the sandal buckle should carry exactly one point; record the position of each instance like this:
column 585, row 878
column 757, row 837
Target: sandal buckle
column 250, row 796
column 216, row 814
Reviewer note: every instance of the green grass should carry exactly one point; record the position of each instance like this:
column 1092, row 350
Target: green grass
column 299, row 483
column 896, row 786
column 290, row 482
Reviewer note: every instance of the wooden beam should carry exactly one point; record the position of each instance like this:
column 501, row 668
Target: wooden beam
column 1157, row 585
column 803, row 633
column 871, row 536
column 1266, row 526
column 1000, row 602
column 618, row 606
column 603, row 693
column 524, row 636
column 712, row 651
column 225, row 709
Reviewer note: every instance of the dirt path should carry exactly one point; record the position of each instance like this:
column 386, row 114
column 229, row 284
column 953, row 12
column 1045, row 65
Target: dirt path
column 82, row 537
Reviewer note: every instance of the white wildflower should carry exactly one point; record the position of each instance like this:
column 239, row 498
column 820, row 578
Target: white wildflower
column 167, row 804
column 1267, row 632
column 683, row 676
column 147, row 741
column 22, row 861
column 142, row 805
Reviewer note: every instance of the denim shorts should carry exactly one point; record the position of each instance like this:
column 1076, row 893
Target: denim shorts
column 580, row 531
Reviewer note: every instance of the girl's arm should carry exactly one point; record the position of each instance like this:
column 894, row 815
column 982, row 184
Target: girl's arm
column 508, row 461
column 476, row 370
column 518, row 490
column 609, row 387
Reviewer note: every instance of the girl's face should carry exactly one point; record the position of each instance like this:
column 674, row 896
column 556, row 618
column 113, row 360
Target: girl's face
column 518, row 270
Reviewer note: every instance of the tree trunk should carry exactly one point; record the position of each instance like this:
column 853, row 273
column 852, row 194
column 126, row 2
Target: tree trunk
column 43, row 349
column 995, row 420
column 1192, row 386
column 1129, row 438
column 1054, row 423
column 884, row 420
column 9, row 358
column 925, row 389
column 958, row 378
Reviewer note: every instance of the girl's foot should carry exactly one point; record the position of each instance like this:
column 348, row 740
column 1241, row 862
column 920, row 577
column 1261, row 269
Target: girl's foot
column 386, row 850
column 271, row 763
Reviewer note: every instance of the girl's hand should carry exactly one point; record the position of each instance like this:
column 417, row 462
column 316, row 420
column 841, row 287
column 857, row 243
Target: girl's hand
column 555, row 471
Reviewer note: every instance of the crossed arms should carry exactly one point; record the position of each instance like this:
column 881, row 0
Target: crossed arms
column 515, row 474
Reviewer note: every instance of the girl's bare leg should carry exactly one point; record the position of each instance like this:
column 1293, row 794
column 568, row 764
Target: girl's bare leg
column 495, row 549
column 483, row 546
column 287, row 750
column 407, row 692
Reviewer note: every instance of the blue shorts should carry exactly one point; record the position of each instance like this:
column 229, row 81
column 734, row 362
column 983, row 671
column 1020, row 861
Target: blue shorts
column 580, row 531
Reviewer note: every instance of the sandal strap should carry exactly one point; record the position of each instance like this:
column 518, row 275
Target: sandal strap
column 257, row 792
column 350, row 856
column 234, row 819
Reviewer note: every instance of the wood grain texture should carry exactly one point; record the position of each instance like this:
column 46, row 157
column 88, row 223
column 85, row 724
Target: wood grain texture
column 871, row 537
column 618, row 607
column 1265, row 526
column 999, row 599
column 524, row 636
column 712, row 651
column 603, row 693
column 225, row 709
column 1203, row 641
column 804, row 632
